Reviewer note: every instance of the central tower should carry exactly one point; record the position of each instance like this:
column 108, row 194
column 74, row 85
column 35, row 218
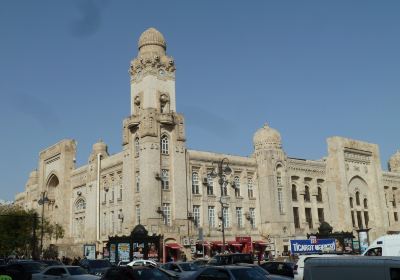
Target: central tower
column 154, row 141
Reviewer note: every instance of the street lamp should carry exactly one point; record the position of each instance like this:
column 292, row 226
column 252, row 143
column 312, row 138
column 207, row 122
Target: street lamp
column 222, row 170
column 43, row 199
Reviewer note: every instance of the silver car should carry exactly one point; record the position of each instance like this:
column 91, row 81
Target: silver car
column 65, row 272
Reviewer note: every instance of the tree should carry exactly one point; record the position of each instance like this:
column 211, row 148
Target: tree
column 58, row 231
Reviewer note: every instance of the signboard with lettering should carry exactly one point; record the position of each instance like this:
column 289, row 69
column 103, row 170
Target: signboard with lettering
column 89, row 251
column 123, row 251
column 312, row 246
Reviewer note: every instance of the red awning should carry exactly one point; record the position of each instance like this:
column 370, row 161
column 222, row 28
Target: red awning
column 234, row 244
column 174, row 246
column 205, row 243
column 261, row 243
column 217, row 243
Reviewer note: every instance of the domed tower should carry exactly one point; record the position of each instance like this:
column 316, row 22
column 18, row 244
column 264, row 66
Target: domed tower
column 272, row 180
column 152, row 75
column 394, row 162
column 154, row 139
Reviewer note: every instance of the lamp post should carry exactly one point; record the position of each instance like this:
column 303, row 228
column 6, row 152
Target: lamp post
column 222, row 169
column 43, row 199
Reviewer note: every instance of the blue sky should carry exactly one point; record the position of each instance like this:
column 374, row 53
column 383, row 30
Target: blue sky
column 311, row 69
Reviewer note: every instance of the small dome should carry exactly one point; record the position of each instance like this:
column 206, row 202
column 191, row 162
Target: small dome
column 267, row 137
column 100, row 146
column 394, row 162
column 152, row 37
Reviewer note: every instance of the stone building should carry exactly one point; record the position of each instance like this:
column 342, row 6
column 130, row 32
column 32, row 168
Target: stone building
column 156, row 181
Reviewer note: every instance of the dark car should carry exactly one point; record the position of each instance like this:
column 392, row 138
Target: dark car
column 154, row 273
column 279, row 268
column 50, row 262
column 229, row 272
column 180, row 268
column 228, row 259
column 23, row 269
column 96, row 267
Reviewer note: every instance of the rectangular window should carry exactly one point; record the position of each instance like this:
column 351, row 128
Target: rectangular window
column 137, row 181
column 167, row 213
column 250, row 188
column 195, row 183
column 196, row 215
column 253, row 217
column 112, row 221
column 165, row 179
column 112, row 194
column 237, row 186
column 321, row 217
column 105, row 223
column 309, row 217
column 296, row 217
column 211, row 216
column 138, row 214
column 225, row 213
column 366, row 218
column 396, row 218
column 353, row 220
column 210, row 185
column 120, row 193
column 239, row 217
column 121, row 220
column 280, row 200
column 359, row 220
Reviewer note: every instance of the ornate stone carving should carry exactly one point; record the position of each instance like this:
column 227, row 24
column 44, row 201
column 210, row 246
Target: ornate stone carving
column 161, row 66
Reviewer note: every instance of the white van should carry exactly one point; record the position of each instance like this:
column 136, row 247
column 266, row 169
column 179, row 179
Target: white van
column 298, row 270
column 387, row 245
column 352, row 268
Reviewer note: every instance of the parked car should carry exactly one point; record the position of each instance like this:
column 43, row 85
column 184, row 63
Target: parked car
column 153, row 273
column 50, row 262
column 123, row 263
column 352, row 267
column 279, row 268
column 201, row 262
column 67, row 272
column 228, row 259
column 298, row 270
column 141, row 262
column 266, row 273
column 181, row 268
column 228, row 272
column 119, row 273
column 24, row 267
column 95, row 267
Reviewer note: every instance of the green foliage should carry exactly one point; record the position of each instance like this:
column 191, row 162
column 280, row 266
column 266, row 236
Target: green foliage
column 17, row 227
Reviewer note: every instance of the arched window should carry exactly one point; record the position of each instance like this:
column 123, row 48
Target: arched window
column 195, row 183
column 80, row 205
column 351, row 202
column 164, row 145
column 365, row 203
column 319, row 195
column 294, row 193
column 137, row 146
column 306, row 194
column 358, row 198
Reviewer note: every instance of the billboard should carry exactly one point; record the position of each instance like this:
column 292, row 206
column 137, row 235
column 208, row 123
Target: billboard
column 312, row 246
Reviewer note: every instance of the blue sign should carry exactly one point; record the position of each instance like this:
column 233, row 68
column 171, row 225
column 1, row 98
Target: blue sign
column 312, row 246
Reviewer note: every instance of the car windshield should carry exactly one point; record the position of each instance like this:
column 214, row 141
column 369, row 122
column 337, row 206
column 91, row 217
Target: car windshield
column 99, row 263
column 76, row 270
column 189, row 266
column 145, row 274
column 248, row 273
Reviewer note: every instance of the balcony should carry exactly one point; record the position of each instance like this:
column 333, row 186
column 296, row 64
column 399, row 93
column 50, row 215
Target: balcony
column 132, row 121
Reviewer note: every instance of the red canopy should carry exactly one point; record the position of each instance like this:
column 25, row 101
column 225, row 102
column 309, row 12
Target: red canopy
column 234, row 244
column 261, row 243
column 175, row 246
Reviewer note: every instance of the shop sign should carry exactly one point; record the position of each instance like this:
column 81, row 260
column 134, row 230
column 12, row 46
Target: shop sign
column 306, row 246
